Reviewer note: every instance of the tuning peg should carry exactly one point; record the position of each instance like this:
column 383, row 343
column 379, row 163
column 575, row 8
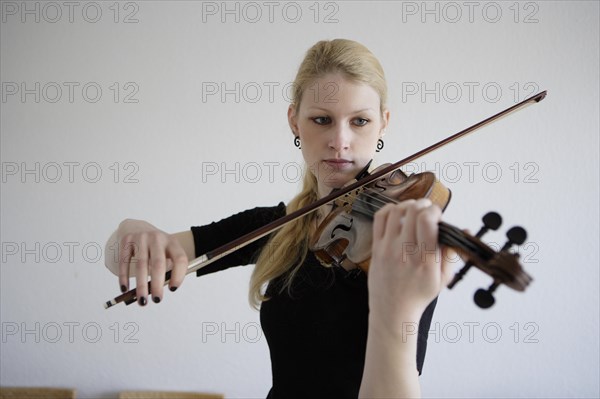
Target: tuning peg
column 491, row 221
column 516, row 235
column 459, row 275
column 485, row 298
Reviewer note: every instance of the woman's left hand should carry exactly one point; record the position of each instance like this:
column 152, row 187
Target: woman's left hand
column 408, row 266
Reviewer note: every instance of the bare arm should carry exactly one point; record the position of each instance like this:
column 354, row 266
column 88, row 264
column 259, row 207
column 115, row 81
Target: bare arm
column 407, row 272
column 390, row 362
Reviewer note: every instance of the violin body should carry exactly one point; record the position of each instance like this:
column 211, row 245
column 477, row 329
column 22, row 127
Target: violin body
column 344, row 238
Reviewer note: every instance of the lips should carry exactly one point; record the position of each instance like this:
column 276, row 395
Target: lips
column 338, row 163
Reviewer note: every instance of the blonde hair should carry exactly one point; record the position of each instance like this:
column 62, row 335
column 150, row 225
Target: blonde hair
column 287, row 249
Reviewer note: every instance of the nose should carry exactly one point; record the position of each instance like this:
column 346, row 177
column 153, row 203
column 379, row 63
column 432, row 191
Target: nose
column 340, row 137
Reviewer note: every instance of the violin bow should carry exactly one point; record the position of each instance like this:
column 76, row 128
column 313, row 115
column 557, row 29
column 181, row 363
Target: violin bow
column 224, row 250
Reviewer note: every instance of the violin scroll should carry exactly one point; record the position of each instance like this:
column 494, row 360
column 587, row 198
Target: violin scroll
column 491, row 221
column 502, row 266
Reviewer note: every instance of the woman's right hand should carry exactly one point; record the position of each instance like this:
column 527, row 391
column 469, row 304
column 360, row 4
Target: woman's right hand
column 144, row 251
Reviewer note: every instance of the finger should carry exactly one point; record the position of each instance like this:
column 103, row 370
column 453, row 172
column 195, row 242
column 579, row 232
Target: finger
column 180, row 265
column 140, row 261
column 392, row 219
column 158, row 266
column 380, row 221
column 447, row 272
column 397, row 218
column 427, row 233
column 409, row 230
column 426, row 226
column 126, row 247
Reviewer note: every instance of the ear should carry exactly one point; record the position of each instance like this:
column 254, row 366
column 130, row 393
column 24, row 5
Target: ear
column 293, row 119
column 385, row 120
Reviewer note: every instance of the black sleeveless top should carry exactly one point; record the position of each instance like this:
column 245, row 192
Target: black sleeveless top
column 317, row 331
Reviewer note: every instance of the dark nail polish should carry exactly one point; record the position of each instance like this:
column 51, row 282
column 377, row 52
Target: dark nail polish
column 173, row 289
column 156, row 299
column 143, row 301
column 123, row 288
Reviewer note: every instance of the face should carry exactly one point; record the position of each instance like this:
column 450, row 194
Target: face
column 339, row 123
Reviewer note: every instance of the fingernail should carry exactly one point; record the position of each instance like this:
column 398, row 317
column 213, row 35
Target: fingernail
column 123, row 288
column 173, row 289
column 156, row 299
column 143, row 301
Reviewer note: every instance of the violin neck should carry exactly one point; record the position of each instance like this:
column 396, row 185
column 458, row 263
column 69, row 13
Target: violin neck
column 463, row 243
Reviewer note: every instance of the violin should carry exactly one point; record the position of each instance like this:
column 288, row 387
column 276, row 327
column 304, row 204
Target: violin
column 344, row 237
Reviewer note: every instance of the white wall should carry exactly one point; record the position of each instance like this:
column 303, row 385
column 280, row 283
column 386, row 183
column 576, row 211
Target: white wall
column 538, row 168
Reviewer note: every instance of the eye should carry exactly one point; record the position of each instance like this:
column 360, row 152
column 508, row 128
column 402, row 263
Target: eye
column 321, row 120
column 361, row 121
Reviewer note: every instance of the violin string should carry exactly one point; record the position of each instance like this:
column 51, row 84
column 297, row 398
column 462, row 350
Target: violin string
column 450, row 235
column 367, row 207
column 455, row 236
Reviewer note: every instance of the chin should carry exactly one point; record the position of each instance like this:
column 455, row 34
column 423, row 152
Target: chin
column 337, row 180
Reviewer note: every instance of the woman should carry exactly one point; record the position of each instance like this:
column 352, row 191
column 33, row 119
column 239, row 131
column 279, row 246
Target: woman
column 331, row 332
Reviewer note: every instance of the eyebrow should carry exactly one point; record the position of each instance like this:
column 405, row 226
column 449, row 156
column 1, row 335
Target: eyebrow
column 353, row 112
